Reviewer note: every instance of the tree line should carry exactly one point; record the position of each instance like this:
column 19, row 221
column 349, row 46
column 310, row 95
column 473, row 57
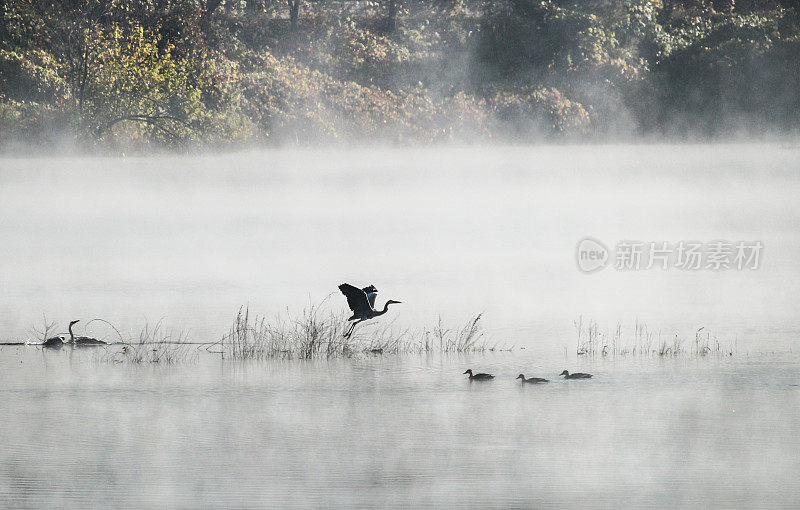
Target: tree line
column 226, row 73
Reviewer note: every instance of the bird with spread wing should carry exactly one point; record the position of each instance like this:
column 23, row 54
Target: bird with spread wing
column 362, row 303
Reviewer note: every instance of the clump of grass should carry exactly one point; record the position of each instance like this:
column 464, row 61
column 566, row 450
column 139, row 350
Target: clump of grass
column 157, row 344
column 673, row 348
column 645, row 342
column 468, row 338
column 312, row 333
column 153, row 344
column 587, row 337
column 384, row 338
column 316, row 333
column 705, row 345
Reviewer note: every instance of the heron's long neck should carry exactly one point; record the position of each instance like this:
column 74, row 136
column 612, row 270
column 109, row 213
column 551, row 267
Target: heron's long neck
column 71, row 336
column 385, row 308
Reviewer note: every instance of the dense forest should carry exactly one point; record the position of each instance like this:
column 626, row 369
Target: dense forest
column 142, row 74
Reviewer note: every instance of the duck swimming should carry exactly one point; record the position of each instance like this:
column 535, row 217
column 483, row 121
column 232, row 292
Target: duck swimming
column 532, row 380
column 577, row 375
column 82, row 340
column 480, row 377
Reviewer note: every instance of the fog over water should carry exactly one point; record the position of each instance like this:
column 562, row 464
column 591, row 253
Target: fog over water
column 384, row 431
column 451, row 232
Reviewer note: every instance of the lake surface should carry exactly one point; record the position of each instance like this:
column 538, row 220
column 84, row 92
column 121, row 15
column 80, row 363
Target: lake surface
column 451, row 233
column 398, row 432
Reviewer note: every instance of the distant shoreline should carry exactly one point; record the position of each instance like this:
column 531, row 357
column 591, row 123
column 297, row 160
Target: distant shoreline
column 195, row 78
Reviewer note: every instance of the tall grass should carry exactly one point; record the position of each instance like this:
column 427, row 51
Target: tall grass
column 311, row 333
column 316, row 332
column 644, row 342
column 156, row 344
column 468, row 338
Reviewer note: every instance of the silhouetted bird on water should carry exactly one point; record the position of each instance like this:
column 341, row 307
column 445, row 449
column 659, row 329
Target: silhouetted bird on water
column 531, row 380
column 479, row 377
column 362, row 303
column 54, row 342
column 82, row 340
column 578, row 375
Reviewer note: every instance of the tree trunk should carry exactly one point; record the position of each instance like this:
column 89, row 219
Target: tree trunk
column 391, row 22
column 294, row 13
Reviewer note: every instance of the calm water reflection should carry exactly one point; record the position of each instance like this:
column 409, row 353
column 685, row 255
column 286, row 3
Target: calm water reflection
column 389, row 431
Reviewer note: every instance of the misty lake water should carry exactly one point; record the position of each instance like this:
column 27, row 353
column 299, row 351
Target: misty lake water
column 451, row 233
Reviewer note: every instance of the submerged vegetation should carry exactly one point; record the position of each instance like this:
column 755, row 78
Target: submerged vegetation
column 319, row 333
column 136, row 74
column 644, row 342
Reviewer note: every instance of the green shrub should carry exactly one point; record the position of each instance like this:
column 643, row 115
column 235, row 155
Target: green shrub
column 143, row 92
column 540, row 112
column 30, row 75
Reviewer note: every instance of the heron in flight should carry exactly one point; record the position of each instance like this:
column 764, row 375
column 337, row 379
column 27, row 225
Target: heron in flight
column 362, row 303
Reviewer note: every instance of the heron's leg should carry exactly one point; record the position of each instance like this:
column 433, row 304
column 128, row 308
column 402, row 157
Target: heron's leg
column 352, row 327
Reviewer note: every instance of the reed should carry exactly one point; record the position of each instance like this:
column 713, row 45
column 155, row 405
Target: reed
column 468, row 338
column 318, row 333
column 309, row 334
column 644, row 342
column 157, row 344
column 589, row 338
column 153, row 344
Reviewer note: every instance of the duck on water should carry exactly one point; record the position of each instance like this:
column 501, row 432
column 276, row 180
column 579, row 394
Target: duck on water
column 479, row 377
column 532, row 380
column 577, row 375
